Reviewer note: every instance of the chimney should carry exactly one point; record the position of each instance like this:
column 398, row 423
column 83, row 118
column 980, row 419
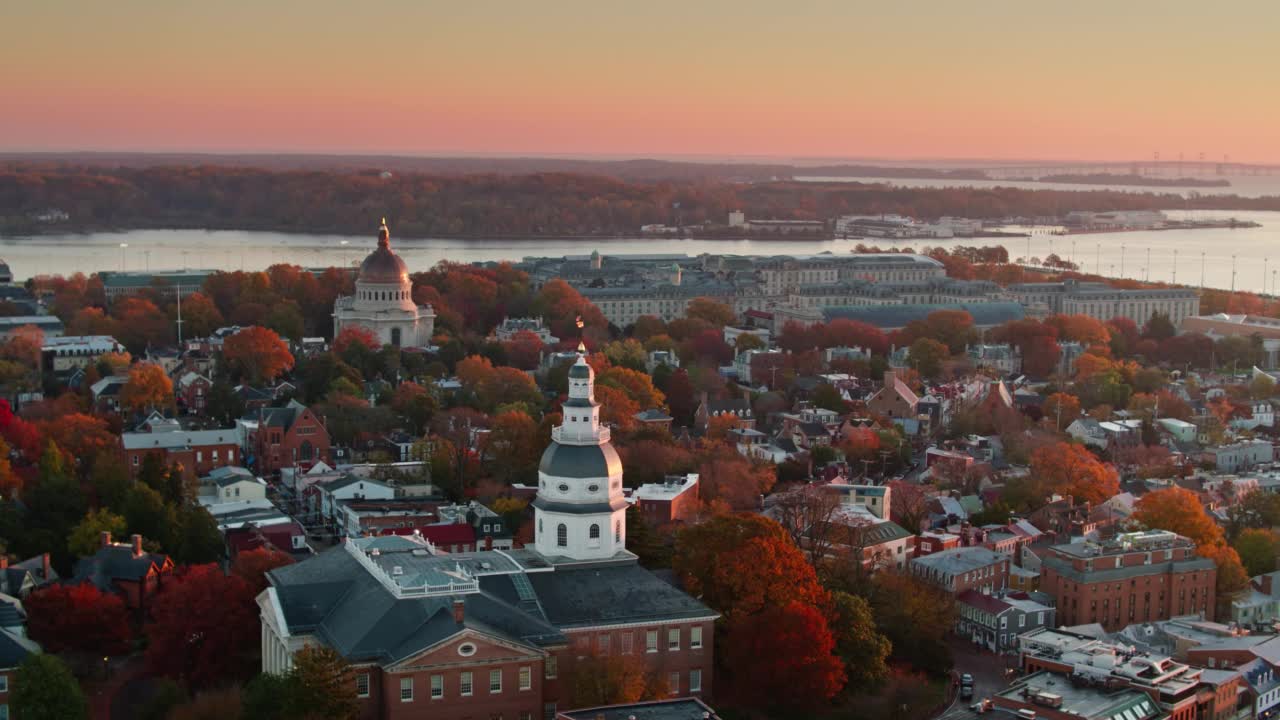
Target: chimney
column 459, row 611
column 137, row 545
column 1266, row 584
column 488, row 542
column 46, row 564
column 889, row 377
column 104, row 539
column 4, row 562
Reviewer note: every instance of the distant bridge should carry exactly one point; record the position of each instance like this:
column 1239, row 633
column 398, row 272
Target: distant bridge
column 1152, row 168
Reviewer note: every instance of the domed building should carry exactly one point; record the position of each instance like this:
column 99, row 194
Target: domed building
column 579, row 509
column 383, row 302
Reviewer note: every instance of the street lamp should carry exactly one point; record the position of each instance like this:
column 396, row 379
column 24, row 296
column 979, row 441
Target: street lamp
column 123, row 248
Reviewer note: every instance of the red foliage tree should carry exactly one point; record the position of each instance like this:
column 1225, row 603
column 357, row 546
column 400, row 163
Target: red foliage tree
column 253, row 565
column 524, row 350
column 78, row 618
column 853, row 333
column 259, row 352
column 355, row 334
column 783, row 657
column 204, row 627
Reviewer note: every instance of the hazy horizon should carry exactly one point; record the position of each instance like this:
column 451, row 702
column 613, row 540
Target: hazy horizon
column 730, row 82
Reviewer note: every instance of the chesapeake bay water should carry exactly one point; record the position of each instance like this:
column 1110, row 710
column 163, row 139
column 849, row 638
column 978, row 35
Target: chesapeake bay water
column 1256, row 250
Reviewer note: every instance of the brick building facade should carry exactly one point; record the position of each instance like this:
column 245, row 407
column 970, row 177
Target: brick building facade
column 1134, row 578
column 289, row 436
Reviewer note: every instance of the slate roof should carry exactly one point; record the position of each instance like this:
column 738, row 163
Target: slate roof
column 681, row 709
column 334, row 596
column 230, row 475
column 580, row 461
column 14, row 649
column 115, row 562
column 898, row 316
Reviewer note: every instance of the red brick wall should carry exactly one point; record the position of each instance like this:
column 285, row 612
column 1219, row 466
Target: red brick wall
column 196, row 462
column 1152, row 597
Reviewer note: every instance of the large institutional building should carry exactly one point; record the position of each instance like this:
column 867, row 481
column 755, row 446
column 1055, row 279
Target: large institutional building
column 497, row 633
column 816, row 288
column 383, row 302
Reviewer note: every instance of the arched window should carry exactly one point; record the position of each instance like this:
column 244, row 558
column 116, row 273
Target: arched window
column 306, row 451
column 617, row 531
column 562, row 535
column 594, row 533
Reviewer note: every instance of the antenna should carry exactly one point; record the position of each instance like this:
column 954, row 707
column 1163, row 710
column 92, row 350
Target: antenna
column 179, row 291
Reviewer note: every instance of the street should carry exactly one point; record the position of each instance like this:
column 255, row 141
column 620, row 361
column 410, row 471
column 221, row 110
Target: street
column 988, row 671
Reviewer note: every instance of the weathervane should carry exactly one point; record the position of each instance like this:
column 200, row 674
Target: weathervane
column 582, row 345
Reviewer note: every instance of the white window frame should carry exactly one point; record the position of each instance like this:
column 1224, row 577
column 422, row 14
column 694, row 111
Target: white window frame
column 495, row 681
column 651, row 641
column 466, row 685
column 695, row 680
column 551, row 667
column 437, row 687
column 695, row 637
column 673, row 639
column 628, row 638
column 673, row 680
column 406, row 689
column 525, row 677
column 362, row 685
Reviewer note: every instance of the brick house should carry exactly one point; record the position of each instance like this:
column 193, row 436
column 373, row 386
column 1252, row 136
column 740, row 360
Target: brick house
column 675, row 499
column 124, row 569
column 192, row 392
column 199, row 451
column 963, row 568
column 1134, row 578
column 289, row 436
column 15, row 646
column 895, row 399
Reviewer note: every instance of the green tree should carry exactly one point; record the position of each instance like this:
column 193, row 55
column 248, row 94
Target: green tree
column 84, row 538
column 859, row 643
column 223, row 404
column 927, row 355
column 196, row 538
column 325, row 683
column 109, row 481
column 1258, row 550
column 827, row 397
column 44, row 689
column 147, row 514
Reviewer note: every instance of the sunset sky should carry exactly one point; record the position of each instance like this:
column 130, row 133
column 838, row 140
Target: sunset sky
column 891, row 79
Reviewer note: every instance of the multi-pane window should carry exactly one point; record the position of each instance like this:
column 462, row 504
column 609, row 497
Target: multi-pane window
column 526, row 678
column 406, row 689
column 626, row 643
column 495, row 681
column 695, row 681
column 673, row 683
column 695, row 637
column 466, row 683
column 673, row 639
column 550, row 668
column 362, row 685
column 437, row 687
column 602, row 644
column 651, row 641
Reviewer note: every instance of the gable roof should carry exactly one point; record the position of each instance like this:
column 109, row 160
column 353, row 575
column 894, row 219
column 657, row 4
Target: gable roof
column 116, row 562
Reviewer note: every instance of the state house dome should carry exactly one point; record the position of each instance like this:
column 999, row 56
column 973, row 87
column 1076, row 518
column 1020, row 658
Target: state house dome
column 580, row 461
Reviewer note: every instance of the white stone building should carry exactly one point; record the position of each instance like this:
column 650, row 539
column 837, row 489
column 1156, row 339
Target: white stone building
column 383, row 302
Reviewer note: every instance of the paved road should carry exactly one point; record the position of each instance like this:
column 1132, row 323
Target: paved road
column 988, row 671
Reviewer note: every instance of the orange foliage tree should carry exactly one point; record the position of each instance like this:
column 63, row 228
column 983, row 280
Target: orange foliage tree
column 1179, row 510
column 727, row 476
column 260, row 353
column 741, row 564
column 1069, row 469
column 355, row 334
column 148, row 388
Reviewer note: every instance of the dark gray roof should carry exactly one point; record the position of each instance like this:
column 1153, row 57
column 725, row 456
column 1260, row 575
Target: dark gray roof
column 681, row 709
column 577, row 508
column 14, row 649
column 605, row 593
column 1066, row 570
column 580, row 461
column 115, row 562
column 897, row 316
column 580, row 371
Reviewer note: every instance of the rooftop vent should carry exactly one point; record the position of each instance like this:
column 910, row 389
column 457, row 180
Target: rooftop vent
column 397, row 570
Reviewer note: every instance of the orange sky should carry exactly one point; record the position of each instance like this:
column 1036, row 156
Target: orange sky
column 1085, row 79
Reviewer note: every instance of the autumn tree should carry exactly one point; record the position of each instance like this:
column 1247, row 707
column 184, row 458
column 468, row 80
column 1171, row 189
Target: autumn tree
column 415, row 404
column 1178, row 510
column 783, row 657
column 1061, row 409
column 710, row 311
column 1068, row 469
column 908, row 506
column 259, row 353
column 78, row 618
column 805, row 512
column 204, row 627
column 253, row 565
column 355, row 335
column 637, row 385
column 513, row 447
column 742, row 564
column 606, row 679
column 726, row 475
column 325, row 681
column 148, row 388
column 916, row 617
